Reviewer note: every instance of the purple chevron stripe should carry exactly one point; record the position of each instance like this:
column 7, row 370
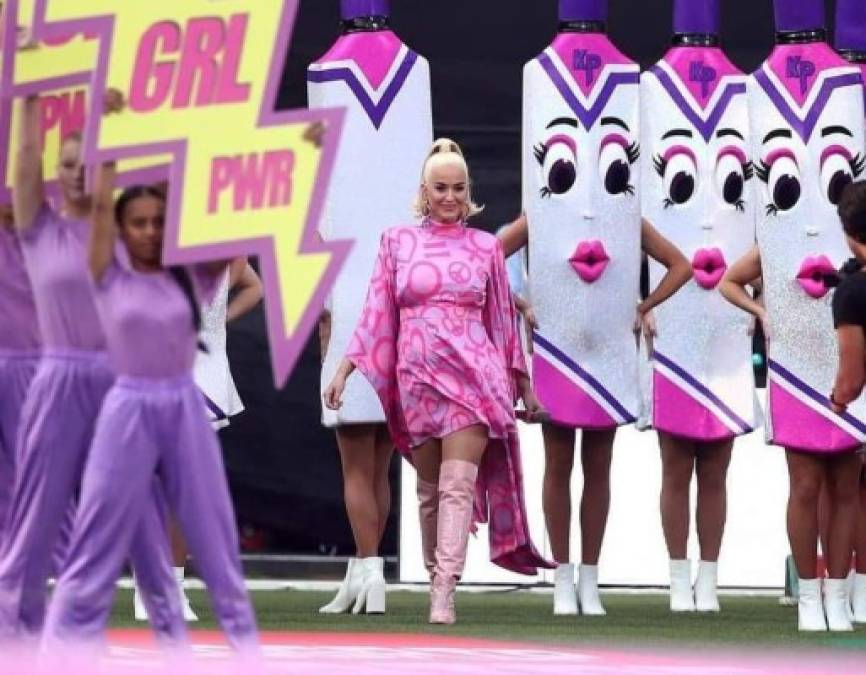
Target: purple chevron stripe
column 707, row 128
column 376, row 112
column 805, row 127
column 587, row 117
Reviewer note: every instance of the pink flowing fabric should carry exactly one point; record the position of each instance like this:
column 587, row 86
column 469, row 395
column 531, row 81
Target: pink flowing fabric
column 439, row 343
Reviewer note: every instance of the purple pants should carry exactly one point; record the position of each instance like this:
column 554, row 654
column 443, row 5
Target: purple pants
column 56, row 429
column 150, row 427
column 16, row 373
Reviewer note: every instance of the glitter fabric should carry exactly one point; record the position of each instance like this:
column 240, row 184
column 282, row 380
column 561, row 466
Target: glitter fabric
column 212, row 373
column 385, row 90
column 807, row 128
column 580, row 181
column 699, row 192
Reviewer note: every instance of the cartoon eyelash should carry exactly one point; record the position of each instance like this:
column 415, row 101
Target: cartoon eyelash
column 668, row 202
column 629, row 190
column 741, row 205
column 763, row 171
column 540, row 152
column 749, row 170
column 633, row 152
column 858, row 163
column 545, row 192
column 661, row 165
column 772, row 210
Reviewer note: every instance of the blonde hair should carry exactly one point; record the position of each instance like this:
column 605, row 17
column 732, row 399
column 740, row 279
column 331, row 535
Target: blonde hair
column 445, row 152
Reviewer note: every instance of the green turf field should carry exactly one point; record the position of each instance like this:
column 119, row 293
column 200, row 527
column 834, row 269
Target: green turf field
column 632, row 620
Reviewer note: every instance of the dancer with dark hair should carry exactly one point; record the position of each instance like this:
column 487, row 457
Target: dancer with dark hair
column 153, row 422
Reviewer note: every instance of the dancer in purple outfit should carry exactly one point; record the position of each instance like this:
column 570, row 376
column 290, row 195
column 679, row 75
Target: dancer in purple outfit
column 19, row 351
column 64, row 398
column 153, row 422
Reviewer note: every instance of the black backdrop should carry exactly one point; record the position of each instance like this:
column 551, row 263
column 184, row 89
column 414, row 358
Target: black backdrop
column 283, row 467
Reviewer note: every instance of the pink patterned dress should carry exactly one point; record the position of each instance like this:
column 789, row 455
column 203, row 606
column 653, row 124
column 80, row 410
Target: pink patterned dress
column 439, row 343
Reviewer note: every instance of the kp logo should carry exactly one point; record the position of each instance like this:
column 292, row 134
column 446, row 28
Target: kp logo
column 698, row 72
column 589, row 63
column 800, row 69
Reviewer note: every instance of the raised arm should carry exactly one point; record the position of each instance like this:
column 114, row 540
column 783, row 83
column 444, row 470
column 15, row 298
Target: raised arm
column 28, row 192
column 679, row 271
column 103, row 229
column 244, row 280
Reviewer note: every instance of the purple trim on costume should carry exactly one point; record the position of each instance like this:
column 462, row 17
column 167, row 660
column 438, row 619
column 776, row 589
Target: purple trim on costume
column 376, row 112
column 285, row 344
column 696, row 16
column 851, row 25
column 795, row 15
column 703, row 391
column 589, row 379
column 804, row 128
column 587, row 117
column 218, row 413
column 820, row 399
column 707, row 128
column 583, row 10
column 353, row 9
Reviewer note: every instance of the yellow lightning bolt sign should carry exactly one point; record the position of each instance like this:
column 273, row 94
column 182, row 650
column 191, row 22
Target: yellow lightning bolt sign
column 200, row 79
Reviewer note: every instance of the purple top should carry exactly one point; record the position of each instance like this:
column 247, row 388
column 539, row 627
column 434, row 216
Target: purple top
column 353, row 9
column 796, row 15
column 147, row 320
column 696, row 16
column 19, row 328
column 55, row 251
column 851, row 25
column 583, row 10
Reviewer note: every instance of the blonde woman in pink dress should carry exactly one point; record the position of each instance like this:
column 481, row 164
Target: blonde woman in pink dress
column 439, row 343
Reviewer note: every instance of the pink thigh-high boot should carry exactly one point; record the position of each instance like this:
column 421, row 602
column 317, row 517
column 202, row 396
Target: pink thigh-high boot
column 428, row 515
column 456, row 499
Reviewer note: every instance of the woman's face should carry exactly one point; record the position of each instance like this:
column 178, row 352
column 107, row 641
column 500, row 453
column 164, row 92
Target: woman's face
column 70, row 171
column 447, row 192
column 142, row 230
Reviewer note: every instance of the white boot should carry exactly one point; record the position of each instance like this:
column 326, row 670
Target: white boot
column 371, row 597
column 810, row 609
column 858, row 598
column 706, row 583
column 564, row 592
column 835, row 599
column 682, row 599
column 138, row 609
column 188, row 615
column 587, row 591
column 348, row 591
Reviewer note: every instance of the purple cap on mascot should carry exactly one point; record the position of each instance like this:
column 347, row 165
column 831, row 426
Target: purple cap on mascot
column 851, row 25
column 583, row 10
column 799, row 15
column 354, row 9
column 696, row 16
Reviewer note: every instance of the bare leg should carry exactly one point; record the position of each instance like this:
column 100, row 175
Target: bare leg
column 843, row 473
column 178, row 545
column 806, row 474
column 384, row 452
column 556, row 493
column 824, row 517
column 678, row 461
column 595, row 456
column 713, row 460
column 860, row 527
column 358, row 457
